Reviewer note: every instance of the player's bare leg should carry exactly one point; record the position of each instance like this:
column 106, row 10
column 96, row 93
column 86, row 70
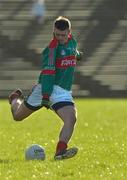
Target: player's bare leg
column 69, row 115
column 18, row 108
column 20, row 111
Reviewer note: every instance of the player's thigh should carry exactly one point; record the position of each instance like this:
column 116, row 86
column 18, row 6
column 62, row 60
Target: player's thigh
column 67, row 113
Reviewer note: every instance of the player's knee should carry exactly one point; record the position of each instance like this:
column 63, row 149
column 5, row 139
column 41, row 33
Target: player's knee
column 74, row 117
column 72, row 120
column 17, row 118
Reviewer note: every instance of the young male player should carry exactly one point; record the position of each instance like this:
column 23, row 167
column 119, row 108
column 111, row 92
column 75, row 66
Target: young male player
column 54, row 86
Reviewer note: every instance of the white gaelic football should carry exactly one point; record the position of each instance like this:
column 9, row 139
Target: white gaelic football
column 34, row 152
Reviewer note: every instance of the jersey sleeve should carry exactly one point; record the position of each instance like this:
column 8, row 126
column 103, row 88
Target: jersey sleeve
column 48, row 69
column 78, row 53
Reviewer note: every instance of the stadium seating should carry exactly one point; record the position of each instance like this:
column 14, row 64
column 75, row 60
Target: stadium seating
column 100, row 28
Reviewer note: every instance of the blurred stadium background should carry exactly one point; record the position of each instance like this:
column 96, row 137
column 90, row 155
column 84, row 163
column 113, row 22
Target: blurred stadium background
column 100, row 27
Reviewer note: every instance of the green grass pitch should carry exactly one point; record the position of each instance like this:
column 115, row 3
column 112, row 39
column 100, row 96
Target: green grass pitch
column 100, row 134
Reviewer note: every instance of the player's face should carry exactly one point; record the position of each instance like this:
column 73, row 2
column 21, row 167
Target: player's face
column 61, row 36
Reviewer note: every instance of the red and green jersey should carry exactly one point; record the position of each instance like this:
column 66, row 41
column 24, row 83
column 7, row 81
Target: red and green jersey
column 58, row 65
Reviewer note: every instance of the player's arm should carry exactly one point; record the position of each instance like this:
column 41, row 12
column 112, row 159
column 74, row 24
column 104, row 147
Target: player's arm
column 78, row 53
column 48, row 74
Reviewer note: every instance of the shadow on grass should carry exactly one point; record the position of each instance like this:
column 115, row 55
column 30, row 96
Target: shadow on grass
column 7, row 161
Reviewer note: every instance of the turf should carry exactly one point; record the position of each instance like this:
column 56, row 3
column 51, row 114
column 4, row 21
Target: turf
column 100, row 134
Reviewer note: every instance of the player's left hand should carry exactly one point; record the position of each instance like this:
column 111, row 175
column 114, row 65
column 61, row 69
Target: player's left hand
column 79, row 56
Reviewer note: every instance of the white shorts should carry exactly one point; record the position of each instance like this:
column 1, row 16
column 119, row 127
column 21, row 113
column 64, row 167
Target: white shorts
column 58, row 95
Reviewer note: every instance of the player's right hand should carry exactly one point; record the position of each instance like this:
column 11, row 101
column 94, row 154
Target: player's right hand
column 45, row 101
